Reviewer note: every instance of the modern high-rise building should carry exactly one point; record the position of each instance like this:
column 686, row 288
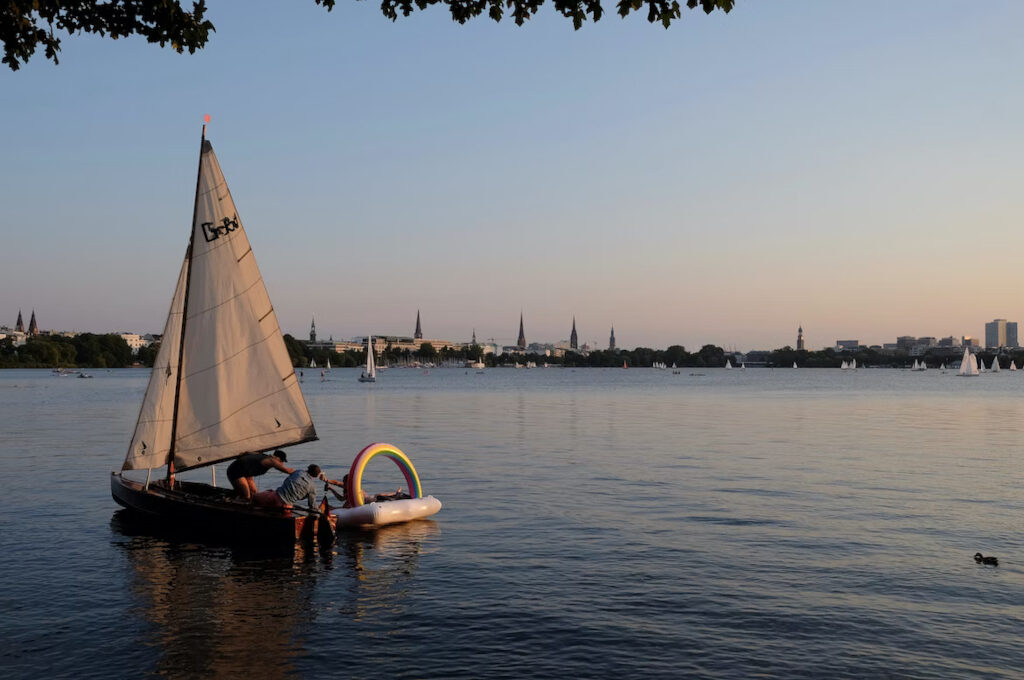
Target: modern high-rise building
column 800, row 337
column 573, row 338
column 1001, row 333
column 521, row 342
column 611, row 340
column 418, row 333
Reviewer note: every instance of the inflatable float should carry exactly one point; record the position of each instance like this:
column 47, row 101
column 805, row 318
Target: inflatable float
column 380, row 513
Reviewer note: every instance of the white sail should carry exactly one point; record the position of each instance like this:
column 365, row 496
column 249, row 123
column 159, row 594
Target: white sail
column 238, row 390
column 1013, row 366
column 968, row 365
column 843, row 366
column 328, row 363
column 728, row 364
column 312, row 363
column 794, row 364
column 371, row 365
column 995, row 365
column 853, row 363
column 151, row 442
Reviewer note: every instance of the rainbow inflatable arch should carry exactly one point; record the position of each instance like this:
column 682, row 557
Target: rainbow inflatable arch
column 354, row 488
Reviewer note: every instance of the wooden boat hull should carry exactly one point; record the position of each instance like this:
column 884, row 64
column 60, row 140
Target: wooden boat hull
column 205, row 511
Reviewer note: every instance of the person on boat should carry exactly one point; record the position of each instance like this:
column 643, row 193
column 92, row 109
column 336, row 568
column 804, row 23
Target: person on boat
column 300, row 485
column 367, row 497
column 249, row 465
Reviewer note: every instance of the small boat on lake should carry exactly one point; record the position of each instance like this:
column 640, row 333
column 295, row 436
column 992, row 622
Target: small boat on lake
column 222, row 386
column 968, row 365
column 369, row 373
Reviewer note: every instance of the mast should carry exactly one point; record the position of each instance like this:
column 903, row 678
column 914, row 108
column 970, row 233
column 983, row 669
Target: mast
column 184, row 313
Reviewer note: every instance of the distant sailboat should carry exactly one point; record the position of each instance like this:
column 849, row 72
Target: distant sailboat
column 369, row 373
column 844, row 365
column 728, row 365
column 624, row 364
column 1013, row 366
column 743, row 367
column 995, row 365
column 969, row 364
column 328, row 364
column 794, row 364
column 312, row 363
column 853, row 364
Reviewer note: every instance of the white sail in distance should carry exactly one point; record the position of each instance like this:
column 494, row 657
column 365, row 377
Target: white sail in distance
column 968, row 365
column 238, row 391
column 371, row 365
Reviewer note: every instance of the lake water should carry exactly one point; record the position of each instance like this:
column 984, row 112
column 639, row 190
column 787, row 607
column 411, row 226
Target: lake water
column 596, row 524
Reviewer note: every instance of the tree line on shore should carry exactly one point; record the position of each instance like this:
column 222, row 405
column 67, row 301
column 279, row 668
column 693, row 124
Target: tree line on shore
column 89, row 350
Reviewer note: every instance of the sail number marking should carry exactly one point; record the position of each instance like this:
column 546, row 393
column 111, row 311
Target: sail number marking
column 212, row 232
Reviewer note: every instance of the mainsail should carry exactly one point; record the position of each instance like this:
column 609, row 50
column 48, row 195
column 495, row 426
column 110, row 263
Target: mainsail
column 238, row 390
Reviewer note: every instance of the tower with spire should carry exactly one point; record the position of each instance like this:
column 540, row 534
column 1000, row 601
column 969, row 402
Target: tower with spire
column 522, row 335
column 474, row 337
column 33, row 329
column 312, row 330
column 573, row 339
column 800, row 337
column 20, row 326
column 419, row 329
column 611, row 341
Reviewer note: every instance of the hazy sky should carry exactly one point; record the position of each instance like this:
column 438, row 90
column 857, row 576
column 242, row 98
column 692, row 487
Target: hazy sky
column 855, row 167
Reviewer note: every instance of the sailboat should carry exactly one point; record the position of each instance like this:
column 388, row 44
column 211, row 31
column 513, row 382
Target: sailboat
column 369, row 373
column 994, row 368
column 328, row 369
column 1013, row 366
column 728, row 365
column 968, row 365
column 794, row 364
column 312, row 363
column 844, row 365
column 853, row 364
column 223, row 385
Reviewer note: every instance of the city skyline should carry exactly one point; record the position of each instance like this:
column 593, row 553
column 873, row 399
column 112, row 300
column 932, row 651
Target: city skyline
column 722, row 204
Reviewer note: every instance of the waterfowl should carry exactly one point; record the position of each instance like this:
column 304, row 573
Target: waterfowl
column 981, row 559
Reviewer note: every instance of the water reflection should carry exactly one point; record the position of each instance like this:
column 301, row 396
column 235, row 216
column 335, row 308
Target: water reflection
column 218, row 611
column 383, row 563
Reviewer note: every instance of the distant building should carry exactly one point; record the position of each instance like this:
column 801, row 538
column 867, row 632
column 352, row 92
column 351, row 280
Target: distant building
column 134, row 341
column 951, row 341
column 611, row 341
column 521, row 342
column 906, row 343
column 33, row 329
column 1001, row 333
column 418, row 333
column 968, row 341
column 573, row 339
column 20, row 326
column 845, row 345
column 473, row 341
column 800, row 337
column 926, row 341
column 312, row 332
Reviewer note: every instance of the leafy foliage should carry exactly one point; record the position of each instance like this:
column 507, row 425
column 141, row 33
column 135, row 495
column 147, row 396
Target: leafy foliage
column 26, row 25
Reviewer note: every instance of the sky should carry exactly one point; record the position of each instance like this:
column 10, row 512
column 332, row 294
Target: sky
column 851, row 167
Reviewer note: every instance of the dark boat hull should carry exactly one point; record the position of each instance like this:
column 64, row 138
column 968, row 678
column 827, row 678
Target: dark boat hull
column 206, row 511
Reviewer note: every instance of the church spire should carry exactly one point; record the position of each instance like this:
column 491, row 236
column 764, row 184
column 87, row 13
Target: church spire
column 419, row 330
column 312, row 330
column 474, row 337
column 611, row 340
column 522, row 336
column 20, row 327
column 33, row 329
column 573, row 338
column 800, row 337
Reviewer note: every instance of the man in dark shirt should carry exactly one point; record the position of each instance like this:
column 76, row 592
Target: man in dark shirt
column 249, row 465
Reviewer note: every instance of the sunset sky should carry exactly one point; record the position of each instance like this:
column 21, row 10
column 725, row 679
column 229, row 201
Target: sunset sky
column 852, row 167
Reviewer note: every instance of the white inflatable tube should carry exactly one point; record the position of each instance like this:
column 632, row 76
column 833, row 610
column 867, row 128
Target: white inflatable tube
column 388, row 512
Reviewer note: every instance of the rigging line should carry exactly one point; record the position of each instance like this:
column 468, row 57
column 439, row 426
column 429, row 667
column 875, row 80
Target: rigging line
column 242, row 439
column 226, row 301
column 239, row 410
column 227, row 359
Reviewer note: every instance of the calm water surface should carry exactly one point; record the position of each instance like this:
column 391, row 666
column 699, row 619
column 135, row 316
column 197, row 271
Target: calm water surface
column 597, row 523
